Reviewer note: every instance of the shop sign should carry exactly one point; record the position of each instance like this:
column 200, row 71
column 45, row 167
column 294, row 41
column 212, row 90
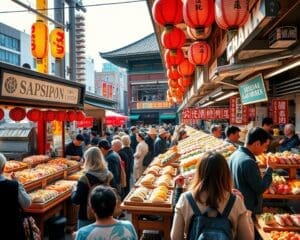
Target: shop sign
column 34, row 89
column 280, row 111
column 86, row 123
column 238, row 112
column 104, row 90
column 153, row 104
column 253, row 90
column 205, row 113
column 256, row 16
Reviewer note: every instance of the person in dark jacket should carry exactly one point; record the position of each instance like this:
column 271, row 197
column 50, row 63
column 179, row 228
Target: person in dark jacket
column 245, row 172
column 114, row 163
column 74, row 149
column 291, row 139
column 129, row 166
column 160, row 144
column 13, row 196
column 133, row 141
column 149, row 139
column 96, row 173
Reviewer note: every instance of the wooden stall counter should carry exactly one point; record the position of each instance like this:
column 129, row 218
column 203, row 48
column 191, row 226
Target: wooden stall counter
column 140, row 224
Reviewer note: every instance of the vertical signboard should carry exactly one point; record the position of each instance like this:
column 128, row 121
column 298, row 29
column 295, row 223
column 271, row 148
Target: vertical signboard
column 280, row 111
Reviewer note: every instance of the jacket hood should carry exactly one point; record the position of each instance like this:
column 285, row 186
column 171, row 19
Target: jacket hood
column 101, row 175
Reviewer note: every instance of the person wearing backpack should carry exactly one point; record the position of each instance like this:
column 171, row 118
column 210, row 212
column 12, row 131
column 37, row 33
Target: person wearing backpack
column 209, row 210
column 95, row 173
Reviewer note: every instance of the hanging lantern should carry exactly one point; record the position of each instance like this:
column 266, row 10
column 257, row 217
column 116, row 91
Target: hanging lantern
column 39, row 39
column 1, row 114
column 61, row 116
column 197, row 35
column 185, row 68
column 179, row 99
column 175, row 57
column 167, row 12
column 57, row 43
column 199, row 53
column 169, row 94
column 184, row 82
column 17, row 114
column 198, row 14
column 173, row 83
column 231, row 14
column 173, row 73
column 71, row 116
column 80, row 116
column 34, row 115
column 173, row 38
column 50, row 115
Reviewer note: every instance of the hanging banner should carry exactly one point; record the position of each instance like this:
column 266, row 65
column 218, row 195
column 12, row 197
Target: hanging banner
column 104, row 89
column 280, row 111
column 238, row 112
column 205, row 113
column 86, row 123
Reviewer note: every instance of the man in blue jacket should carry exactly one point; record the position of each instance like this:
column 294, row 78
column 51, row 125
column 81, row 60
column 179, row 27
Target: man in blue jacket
column 245, row 172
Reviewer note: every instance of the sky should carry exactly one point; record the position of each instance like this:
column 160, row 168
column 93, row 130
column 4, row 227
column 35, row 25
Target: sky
column 108, row 27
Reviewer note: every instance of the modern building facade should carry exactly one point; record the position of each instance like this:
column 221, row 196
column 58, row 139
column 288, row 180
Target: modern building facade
column 147, row 82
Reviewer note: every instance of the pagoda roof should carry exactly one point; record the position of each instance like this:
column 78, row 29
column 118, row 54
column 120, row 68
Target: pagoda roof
column 143, row 49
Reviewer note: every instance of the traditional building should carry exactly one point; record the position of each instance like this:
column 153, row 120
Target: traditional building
column 147, row 82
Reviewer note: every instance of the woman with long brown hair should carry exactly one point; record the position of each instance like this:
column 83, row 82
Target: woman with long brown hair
column 211, row 188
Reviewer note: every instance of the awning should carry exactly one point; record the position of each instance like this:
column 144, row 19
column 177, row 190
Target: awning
column 134, row 116
column 115, row 119
column 167, row 116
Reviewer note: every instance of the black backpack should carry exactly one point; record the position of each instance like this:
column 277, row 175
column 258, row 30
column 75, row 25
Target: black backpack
column 203, row 227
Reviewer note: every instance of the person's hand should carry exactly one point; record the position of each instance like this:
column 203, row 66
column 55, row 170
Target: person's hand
column 14, row 176
column 237, row 193
column 179, row 180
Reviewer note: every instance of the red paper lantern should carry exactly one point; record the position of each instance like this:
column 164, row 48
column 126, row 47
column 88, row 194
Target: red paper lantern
column 199, row 53
column 173, row 38
column 167, row 12
column 80, row 116
column 173, row 83
column 34, row 115
column 185, row 68
column 39, row 39
column 1, row 114
column 50, row 115
column 71, row 116
column 198, row 13
column 198, row 35
column 169, row 94
column 173, row 73
column 57, row 42
column 17, row 114
column 61, row 116
column 174, row 57
column 231, row 14
column 184, row 82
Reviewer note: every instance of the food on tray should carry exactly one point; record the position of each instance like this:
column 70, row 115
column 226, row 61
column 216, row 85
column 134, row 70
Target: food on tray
column 169, row 157
column 268, row 218
column 63, row 161
column 285, row 158
column 168, row 170
column 35, row 159
column 164, row 180
column 148, row 180
column 76, row 175
column 43, row 195
column 282, row 186
column 284, row 235
column 159, row 194
column 139, row 194
column 284, row 219
column 12, row 165
column 153, row 169
column 296, row 219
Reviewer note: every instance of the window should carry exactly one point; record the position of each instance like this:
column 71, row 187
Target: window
column 9, row 57
column 9, row 42
column 145, row 93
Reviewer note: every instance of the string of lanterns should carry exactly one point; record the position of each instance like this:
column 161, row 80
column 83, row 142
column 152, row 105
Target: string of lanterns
column 198, row 15
column 18, row 114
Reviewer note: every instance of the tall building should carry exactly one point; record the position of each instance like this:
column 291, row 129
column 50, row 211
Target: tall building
column 147, row 82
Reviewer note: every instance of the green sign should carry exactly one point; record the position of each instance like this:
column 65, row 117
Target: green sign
column 253, row 90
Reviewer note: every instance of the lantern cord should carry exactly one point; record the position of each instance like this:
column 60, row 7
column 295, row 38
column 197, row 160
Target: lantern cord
column 88, row 5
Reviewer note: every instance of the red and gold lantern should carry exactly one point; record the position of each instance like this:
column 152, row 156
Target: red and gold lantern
column 57, row 43
column 34, row 115
column 173, row 73
column 71, row 116
column 17, row 114
column 174, row 57
column 173, row 38
column 1, row 114
column 61, row 116
column 167, row 12
column 39, row 39
column 198, row 14
column 184, row 82
column 50, row 115
column 198, row 35
column 185, row 68
column 173, row 83
column 80, row 116
column 231, row 14
column 199, row 53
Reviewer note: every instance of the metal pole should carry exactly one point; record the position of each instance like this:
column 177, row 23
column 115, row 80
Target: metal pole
column 72, row 41
column 59, row 16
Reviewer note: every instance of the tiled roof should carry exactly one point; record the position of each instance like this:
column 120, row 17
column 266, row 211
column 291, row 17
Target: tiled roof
column 146, row 45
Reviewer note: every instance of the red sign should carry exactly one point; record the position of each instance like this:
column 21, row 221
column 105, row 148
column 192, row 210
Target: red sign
column 86, row 123
column 280, row 111
column 104, row 89
column 238, row 112
column 205, row 113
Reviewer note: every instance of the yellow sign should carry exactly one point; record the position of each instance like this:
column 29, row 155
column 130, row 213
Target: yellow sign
column 57, row 128
column 153, row 104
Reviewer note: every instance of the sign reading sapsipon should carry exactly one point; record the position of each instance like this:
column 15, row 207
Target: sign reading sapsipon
column 253, row 90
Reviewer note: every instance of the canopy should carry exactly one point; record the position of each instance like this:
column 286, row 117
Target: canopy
column 114, row 119
column 167, row 116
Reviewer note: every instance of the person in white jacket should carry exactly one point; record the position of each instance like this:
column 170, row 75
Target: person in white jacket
column 140, row 153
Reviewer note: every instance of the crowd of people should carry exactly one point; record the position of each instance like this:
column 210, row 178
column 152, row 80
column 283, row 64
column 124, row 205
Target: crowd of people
column 114, row 162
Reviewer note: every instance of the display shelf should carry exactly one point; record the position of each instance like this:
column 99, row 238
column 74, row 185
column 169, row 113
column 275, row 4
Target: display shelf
column 291, row 168
column 281, row 196
column 275, row 227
